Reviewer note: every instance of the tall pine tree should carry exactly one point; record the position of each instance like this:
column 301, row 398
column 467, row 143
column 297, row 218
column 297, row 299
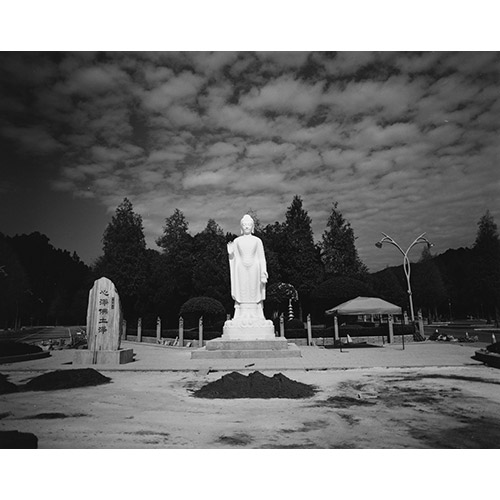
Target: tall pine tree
column 339, row 253
column 173, row 270
column 487, row 266
column 175, row 233
column 211, row 265
column 124, row 260
column 300, row 257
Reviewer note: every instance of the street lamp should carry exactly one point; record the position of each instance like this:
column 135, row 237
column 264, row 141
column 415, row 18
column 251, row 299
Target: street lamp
column 406, row 260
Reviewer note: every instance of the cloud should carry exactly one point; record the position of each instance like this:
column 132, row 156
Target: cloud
column 94, row 80
column 284, row 94
column 405, row 142
column 176, row 89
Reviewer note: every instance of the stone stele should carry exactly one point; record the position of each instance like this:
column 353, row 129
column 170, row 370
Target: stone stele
column 104, row 324
column 248, row 333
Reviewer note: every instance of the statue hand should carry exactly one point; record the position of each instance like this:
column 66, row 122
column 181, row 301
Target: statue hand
column 263, row 277
column 230, row 249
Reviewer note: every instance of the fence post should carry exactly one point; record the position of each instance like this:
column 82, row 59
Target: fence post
column 200, row 332
column 282, row 325
column 158, row 330
column 391, row 328
column 181, row 331
column 124, row 329
column 139, row 330
column 309, row 330
column 336, row 328
column 421, row 324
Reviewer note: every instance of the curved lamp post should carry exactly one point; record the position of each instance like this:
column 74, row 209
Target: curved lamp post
column 406, row 260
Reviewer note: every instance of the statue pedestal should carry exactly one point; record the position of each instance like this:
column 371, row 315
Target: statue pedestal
column 248, row 329
column 247, row 337
column 229, row 349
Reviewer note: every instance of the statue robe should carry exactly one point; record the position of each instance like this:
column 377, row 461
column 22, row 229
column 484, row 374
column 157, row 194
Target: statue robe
column 247, row 263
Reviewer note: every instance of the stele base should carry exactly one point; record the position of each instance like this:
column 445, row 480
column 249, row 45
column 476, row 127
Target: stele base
column 119, row 357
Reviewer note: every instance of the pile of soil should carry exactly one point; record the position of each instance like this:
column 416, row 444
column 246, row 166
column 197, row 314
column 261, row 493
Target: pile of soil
column 6, row 386
column 256, row 385
column 66, row 379
column 10, row 348
column 10, row 440
column 494, row 348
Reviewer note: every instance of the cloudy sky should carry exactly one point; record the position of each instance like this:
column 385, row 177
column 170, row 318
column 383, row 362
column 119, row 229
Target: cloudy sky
column 405, row 142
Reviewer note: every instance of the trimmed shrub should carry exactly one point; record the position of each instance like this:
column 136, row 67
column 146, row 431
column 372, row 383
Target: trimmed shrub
column 212, row 310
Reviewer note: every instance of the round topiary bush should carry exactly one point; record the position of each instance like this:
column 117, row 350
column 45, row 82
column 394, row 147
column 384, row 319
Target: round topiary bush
column 212, row 310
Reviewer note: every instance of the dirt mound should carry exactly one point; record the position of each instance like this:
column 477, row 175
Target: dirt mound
column 6, row 386
column 494, row 347
column 66, row 379
column 10, row 348
column 17, row 440
column 256, row 385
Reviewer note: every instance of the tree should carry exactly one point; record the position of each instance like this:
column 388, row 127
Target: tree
column 278, row 296
column 299, row 257
column 486, row 251
column 338, row 290
column 339, row 253
column 274, row 243
column 211, row 310
column 429, row 291
column 457, row 270
column 124, row 259
column 211, row 266
column 387, row 286
column 50, row 273
column 175, row 233
column 13, row 285
column 172, row 271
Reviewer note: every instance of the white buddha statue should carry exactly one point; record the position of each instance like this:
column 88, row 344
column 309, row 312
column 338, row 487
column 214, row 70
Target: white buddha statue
column 248, row 270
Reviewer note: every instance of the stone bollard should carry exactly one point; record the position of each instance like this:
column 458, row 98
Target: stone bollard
column 336, row 328
column 421, row 324
column 282, row 325
column 200, row 332
column 391, row 329
column 158, row 330
column 139, row 330
column 309, row 330
column 181, row 331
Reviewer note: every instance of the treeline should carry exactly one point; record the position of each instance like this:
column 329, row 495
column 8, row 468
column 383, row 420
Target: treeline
column 41, row 284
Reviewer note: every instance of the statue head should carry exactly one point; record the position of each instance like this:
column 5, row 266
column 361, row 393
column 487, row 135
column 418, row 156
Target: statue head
column 246, row 220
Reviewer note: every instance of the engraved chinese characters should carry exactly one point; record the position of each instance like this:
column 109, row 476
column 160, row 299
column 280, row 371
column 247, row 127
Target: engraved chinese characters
column 104, row 317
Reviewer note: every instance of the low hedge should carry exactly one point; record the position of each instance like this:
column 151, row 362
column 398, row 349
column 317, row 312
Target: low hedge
column 11, row 348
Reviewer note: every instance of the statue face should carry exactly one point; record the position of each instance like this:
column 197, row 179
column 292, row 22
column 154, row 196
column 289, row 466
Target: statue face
column 247, row 225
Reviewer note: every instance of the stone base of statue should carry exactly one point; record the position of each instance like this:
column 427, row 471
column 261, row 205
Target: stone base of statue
column 241, row 329
column 220, row 348
column 248, row 335
column 103, row 357
column 248, row 323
